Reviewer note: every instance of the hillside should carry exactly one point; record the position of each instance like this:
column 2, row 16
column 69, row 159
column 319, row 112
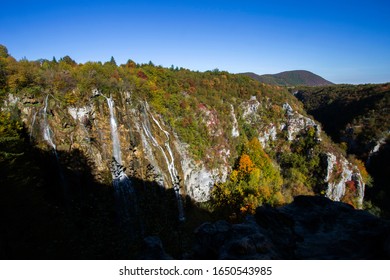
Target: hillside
column 99, row 156
column 290, row 78
column 358, row 117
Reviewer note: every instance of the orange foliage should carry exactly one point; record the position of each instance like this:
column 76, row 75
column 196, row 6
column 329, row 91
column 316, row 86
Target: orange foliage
column 245, row 166
column 350, row 194
column 265, row 192
column 351, row 186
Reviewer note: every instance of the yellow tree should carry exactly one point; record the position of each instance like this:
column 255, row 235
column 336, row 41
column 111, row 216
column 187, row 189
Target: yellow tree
column 245, row 166
column 254, row 181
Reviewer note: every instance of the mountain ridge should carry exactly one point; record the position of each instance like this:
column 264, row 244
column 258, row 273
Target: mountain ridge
column 290, row 78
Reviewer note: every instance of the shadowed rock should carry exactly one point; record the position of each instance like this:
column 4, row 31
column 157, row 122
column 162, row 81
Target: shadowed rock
column 153, row 249
column 311, row 227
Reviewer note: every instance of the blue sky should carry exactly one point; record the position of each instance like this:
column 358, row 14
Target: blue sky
column 343, row 41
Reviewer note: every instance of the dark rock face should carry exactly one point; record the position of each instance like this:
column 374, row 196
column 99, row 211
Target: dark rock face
column 311, row 227
column 153, row 249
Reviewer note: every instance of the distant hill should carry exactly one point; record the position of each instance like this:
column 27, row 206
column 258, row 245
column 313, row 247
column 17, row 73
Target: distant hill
column 290, row 78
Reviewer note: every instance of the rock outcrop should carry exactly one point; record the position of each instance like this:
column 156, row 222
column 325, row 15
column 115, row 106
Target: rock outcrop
column 311, row 227
column 153, row 249
column 339, row 173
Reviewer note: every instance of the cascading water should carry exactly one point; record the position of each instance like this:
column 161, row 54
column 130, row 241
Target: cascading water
column 235, row 132
column 124, row 192
column 47, row 132
column 32, row 125
column 116, row 148
column 48, row 137
column 170, row 163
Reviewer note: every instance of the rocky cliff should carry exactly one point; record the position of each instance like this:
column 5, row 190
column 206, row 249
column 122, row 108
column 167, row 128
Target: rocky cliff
column 149, row 149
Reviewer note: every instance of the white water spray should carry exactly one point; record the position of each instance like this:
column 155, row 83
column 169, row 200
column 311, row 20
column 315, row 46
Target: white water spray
column 116, row 147
column 121, row 182
column 47, row 132
column 235, row 132
column 48, row 136
column 126, row 202
column 32, row 124
column 170, row 162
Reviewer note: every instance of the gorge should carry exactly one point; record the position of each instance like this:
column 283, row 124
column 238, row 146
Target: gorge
column 142, row 150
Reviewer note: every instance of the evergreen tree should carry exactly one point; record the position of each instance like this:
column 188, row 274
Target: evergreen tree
column 3, row 51
column 112, row 61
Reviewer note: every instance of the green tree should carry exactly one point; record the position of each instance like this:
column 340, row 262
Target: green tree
column 3, row 75
column 3, row 51
column 9, row 127
column 68, row 60
column 112, row 61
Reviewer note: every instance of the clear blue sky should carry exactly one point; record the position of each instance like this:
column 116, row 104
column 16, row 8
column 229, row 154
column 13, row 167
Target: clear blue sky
column 343, row 41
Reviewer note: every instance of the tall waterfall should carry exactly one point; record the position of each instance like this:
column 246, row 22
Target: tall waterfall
column 169, row 161
column 47, row 132
column 118, row 174
column 116, row 147
column 235, row 132
column 32, row 125
column 48, row 137
column 121, row 182
column 126, row 202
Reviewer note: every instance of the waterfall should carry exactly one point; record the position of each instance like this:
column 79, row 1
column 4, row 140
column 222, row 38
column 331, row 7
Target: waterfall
column 48, row 137
column 47, row 132
column 32, row 124
column 170, row 162
column 235, row 132
column 126, row 202
column 116, row 148
column 149, row 153
column 378, row 145
column 120, row 180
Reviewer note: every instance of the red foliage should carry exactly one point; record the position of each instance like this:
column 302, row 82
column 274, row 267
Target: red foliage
column 142, row 75
column 202, row 107
column 351, row 186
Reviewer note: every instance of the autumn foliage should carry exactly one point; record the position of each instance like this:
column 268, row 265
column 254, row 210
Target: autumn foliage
column 254, row 181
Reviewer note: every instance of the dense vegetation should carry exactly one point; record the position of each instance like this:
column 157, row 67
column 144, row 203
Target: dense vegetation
column 253, row 181
column 356, row 117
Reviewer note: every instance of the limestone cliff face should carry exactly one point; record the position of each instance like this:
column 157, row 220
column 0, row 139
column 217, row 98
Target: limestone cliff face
column 339, row 173
column 338, row 170
column 152, row 151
